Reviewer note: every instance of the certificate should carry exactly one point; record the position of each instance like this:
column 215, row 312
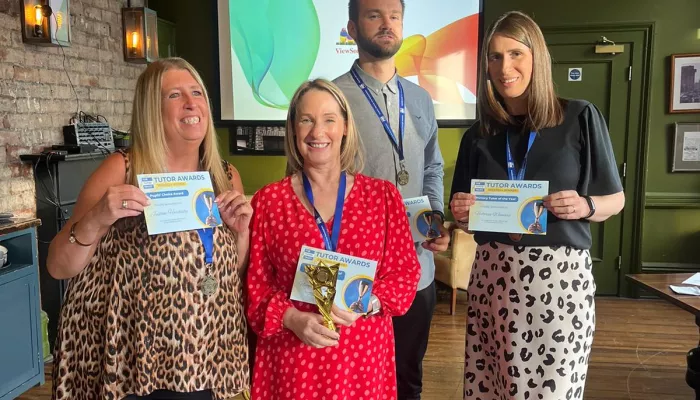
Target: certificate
column 179, row 202
column 509, row 206
column 420, row 217
column 354, row 283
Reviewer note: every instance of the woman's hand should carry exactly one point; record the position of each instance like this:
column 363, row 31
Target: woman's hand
column 119, row 201
column 309, row 328
column 460, row 205
column 567, row 204
column 343, row 317
column 235, row 210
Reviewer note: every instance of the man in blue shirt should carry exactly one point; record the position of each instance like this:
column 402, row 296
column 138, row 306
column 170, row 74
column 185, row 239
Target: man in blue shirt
column 401, row 149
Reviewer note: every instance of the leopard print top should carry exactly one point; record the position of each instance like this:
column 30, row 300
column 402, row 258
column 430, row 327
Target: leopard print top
column 134, row 320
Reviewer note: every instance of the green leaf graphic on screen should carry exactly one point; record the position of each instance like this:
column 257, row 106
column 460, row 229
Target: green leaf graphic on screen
column 277, row 43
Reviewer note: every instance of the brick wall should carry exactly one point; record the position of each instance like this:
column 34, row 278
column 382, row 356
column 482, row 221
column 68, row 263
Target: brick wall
column 36, row 99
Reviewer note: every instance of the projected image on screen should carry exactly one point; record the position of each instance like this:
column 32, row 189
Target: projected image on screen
column 267, row 49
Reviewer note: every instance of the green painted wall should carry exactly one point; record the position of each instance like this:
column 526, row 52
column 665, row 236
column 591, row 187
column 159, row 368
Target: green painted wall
column 676, row 31
column 670, row 228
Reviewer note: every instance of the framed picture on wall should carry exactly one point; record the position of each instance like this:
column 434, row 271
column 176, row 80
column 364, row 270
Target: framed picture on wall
column 686, row 147
column 685, row 83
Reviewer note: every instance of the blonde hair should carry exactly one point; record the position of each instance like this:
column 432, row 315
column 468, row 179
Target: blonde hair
column 544, row 107
column 149, row 149
column 351, row 157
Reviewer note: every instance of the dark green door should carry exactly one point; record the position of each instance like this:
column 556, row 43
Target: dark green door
column 604, row 80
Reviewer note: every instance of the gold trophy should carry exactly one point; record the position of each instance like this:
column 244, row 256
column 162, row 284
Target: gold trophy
column 323, row 278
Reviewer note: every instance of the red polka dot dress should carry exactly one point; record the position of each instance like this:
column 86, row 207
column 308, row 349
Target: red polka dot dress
column 362, row 366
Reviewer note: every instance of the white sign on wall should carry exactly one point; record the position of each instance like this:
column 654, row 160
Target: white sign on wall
column 575, row 74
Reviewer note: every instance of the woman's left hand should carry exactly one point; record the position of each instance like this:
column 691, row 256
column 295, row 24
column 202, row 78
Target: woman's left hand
column 567, row 204
column 343, row 317
column 235, row 210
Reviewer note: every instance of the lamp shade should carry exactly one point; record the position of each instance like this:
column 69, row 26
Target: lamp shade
column 140, row 26
column 45, row 22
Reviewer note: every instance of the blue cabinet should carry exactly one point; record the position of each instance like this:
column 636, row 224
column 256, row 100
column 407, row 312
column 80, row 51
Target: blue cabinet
column 21, row 358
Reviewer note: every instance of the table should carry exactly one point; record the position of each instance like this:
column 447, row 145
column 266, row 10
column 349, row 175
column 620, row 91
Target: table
column 658, row 284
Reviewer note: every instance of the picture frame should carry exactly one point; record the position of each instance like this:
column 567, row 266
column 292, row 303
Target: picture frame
column 685, row 83
column 686, row 147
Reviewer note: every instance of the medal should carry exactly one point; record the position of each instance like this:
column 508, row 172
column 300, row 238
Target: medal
column 323, row 277
column 520, row 175
column 208, row 284
column 402, row 175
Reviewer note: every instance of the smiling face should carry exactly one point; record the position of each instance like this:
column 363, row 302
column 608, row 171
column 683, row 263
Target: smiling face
column 319, row 128
column 510, row 71
column 184, row 108
column 379, row 27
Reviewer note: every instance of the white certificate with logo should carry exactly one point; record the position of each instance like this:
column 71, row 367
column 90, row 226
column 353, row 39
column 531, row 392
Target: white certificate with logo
column 509, row 206
column 179, row 202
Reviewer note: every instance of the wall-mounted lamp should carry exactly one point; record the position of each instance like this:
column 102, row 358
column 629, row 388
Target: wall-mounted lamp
column 609, row 47
column 45, row 22
column 140, row 34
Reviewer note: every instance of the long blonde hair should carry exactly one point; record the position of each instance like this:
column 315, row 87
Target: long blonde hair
column 351, row 156
column 149, row 148
column 544, row 108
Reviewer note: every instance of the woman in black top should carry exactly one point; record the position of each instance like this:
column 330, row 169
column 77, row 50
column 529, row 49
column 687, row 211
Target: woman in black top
column 531, row 312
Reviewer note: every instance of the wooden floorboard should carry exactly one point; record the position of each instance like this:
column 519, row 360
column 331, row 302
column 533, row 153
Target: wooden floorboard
column 638, row 352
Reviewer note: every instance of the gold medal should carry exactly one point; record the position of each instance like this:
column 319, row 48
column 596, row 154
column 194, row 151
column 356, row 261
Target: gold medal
column 209, row 284
column 402, row 177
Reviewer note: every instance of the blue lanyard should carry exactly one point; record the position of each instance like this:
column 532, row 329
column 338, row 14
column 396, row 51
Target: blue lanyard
column 331, row 242
column 509, row 158
column 398, row 144
column 207, row 238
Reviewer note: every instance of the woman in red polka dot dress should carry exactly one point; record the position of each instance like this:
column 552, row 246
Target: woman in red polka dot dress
column 297, row 357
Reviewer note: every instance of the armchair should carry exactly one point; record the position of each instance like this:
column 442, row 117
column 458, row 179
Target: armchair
column 454, row 267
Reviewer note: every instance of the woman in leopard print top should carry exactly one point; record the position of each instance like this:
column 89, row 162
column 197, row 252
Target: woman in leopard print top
column 137, row 322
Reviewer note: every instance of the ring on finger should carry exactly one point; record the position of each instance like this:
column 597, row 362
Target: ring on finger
column 125, row 204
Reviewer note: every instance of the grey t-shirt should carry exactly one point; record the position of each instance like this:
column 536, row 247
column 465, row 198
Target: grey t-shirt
column 422, row 155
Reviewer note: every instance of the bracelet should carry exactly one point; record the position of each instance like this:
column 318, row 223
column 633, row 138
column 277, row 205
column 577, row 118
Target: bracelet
column 75, row 240
column 591, row 206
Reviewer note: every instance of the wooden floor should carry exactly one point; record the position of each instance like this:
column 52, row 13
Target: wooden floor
column 638, row 352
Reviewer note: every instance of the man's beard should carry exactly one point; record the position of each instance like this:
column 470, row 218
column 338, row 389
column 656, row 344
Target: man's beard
column 376, row 50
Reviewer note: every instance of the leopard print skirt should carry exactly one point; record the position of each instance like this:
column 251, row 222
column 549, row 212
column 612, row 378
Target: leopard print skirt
column 530, row 323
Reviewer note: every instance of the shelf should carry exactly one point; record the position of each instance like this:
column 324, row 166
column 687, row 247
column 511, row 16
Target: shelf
column 14, row 267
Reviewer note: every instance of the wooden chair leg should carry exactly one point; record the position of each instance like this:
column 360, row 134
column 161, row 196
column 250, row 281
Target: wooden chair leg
column 453, row 305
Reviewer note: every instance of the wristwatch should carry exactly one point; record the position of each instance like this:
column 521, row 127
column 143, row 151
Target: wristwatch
column 376, row 306
column 591, row 206
column 73, row 239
